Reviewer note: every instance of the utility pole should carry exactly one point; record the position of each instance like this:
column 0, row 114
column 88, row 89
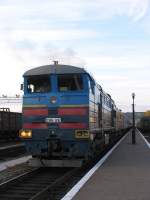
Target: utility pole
column 133, row 122
column 55, row 62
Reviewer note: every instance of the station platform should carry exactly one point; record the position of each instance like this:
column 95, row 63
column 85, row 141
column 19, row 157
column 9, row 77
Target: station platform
column 125, row 175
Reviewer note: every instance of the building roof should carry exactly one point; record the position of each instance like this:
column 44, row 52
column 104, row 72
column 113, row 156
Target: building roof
column 54, row 69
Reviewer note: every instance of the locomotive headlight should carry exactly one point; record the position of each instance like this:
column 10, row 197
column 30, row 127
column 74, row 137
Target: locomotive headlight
column 53, row 99
column 25, row 134
column 82, row 134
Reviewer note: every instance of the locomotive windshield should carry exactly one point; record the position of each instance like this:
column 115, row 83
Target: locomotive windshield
column 70, row 82
column 38, row 84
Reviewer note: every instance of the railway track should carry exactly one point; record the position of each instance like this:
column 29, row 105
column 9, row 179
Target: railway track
column 33, row 185
column 46, row 183
column 11, row 151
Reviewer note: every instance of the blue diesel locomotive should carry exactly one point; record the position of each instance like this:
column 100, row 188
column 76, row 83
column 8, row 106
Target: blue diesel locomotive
column 67, row 117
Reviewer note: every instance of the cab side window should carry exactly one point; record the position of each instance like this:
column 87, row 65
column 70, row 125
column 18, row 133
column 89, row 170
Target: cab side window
column 91, row 86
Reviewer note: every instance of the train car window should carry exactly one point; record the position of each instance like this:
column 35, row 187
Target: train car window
column 70, row 82
column 38, row 84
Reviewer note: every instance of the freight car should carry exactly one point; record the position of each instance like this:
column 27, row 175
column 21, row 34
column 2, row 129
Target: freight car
column 67, row 116
column 10, row 124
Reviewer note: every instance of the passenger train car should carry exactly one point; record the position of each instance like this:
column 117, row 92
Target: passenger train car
column 67, row 117
column 144, row 124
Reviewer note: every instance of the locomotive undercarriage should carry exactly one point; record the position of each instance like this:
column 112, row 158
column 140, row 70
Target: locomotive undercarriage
column 60, row 154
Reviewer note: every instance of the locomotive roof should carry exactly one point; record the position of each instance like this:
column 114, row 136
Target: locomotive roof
column 59, row 69
column 54, row 69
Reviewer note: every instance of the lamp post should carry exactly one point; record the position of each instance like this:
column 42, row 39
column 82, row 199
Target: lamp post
column 133, row 125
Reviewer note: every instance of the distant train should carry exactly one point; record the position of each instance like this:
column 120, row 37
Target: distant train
column 10, row 124
column 67, row 117
column 144, row 124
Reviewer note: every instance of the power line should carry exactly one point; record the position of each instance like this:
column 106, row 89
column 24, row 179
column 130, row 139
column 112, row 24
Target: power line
column 10, row 100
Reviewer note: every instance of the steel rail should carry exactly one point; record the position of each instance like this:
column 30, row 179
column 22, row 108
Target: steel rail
column 17, row 179
column 31, row 185
column 12, row 151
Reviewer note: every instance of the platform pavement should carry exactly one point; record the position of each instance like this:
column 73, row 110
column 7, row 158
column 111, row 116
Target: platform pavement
column 125, row 175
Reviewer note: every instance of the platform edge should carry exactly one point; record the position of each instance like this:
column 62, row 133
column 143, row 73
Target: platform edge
column 87, row 176
column 148, row 144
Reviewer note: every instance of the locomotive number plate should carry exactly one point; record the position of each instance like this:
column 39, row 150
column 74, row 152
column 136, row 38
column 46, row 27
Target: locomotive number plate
column 53, row 120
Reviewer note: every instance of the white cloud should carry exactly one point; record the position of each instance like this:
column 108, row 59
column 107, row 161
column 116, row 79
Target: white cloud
column 52, row 35
column 72, row 11
column 10, row 69
column 139, row 9
column 119, row 62
column 35, row 32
